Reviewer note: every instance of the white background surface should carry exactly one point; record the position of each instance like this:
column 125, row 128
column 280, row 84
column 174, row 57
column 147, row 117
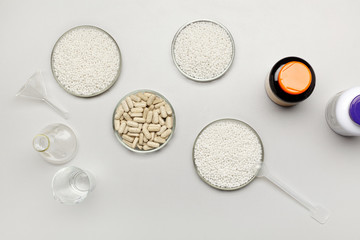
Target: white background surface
column 159, row 195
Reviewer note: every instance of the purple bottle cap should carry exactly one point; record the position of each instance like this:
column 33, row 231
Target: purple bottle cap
column 354, row 110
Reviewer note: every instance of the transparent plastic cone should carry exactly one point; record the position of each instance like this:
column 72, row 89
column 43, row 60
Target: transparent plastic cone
column 35, row 88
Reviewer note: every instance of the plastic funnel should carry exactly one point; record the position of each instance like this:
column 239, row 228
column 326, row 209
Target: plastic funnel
column 35, row 88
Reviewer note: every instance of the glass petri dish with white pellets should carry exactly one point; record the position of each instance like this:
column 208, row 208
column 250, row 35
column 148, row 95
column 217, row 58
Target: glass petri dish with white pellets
column 203, row 50
column 144, row 121
column 86, row 61
column 228, row 154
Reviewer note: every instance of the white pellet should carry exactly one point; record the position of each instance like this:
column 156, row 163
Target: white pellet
column 159, row 139
column 228, row 154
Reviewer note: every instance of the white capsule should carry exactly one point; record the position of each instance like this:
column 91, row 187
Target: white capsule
column 126, row 130
column 163, row 112
column 142, row 96
column 155, row 117
column 132, row 114
column 159, row 104
column 125, row 106
column 117, row 124
column 147, row 94
column 169, row 122
column 168, row 109
column 134, row 130
column 135, row 98
column 122, row 127
column 129, row 102
column 157, row 100
column 127, row 138
column 128, row 143
column 139, row 120
column 133, row 134
column 140, row 104
column 145, row 113
column 159, row 139
column 139, row 146
column 146, row 147
column 162, row 129
column 149, row 117
column 154, row 127
column 146, row 131
column 136, row 140
column 150, row 100
column 137, row 110
column 119, row 113
column 161, row 121
column 127, row 117
column 132, row 124
column 166, row 133
column 141, row 138
column 153, row 144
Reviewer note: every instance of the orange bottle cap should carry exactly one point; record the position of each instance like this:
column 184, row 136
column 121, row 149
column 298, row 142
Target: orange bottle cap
column 294, row 78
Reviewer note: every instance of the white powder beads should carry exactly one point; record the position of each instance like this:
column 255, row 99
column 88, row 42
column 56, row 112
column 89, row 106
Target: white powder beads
column 86, row 61
column 228, row 154
column 203, row 50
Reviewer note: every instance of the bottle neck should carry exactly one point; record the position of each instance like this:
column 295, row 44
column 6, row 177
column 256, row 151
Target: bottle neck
column 41, row 143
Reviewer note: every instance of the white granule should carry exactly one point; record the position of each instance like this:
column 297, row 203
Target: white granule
column 86, row 61
column 228, row 154
column 203, row 50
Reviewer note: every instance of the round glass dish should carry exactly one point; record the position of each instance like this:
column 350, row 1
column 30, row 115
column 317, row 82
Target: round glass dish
column 118, row 136
column 186, row 74
column 258, row 167
column 103, row 88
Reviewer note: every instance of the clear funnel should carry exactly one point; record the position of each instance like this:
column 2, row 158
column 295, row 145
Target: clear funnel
column 35, row 88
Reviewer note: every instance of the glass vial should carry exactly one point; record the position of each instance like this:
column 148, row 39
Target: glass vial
column 72, row 185
column 290, row 81
column 343, row 112
column 56, row 143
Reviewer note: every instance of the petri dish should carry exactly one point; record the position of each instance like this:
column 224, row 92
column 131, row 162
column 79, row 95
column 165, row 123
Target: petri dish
column 118, row 136
column 231, row 170
column 86, row 61
column 202, row 68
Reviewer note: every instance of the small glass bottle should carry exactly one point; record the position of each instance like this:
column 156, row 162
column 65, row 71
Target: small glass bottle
column 343, row 112
column 290, row 81
column 56, row 143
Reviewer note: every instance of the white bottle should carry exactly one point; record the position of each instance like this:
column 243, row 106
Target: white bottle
column 343, row 112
